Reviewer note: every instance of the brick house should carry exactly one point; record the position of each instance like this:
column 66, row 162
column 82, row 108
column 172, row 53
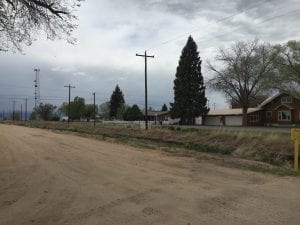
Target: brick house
column 281, row 109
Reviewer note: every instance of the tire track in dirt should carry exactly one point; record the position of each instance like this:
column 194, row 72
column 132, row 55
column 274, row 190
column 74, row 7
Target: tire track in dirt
column 59, row 179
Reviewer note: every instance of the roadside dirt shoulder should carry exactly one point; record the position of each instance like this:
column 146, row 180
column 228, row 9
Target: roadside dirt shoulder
column 50, row 178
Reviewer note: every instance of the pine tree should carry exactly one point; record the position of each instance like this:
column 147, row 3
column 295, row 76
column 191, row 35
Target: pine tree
column 116, row 102
column 164, row 108
column 133, row 113
column 189, row 90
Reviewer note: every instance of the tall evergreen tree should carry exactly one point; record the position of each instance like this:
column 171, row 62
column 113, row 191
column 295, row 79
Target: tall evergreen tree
column 189, row 90
column 164, row 107
column 116, row 102
column 133, row 113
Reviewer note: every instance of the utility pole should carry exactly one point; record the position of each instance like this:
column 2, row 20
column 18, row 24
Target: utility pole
column 69, row 86
column 37, row 88
column 214, row 106
column 25, row 109
column 14, row 104
column 94, row 108
column 21, row 116
column 146, row 92
column 3, row 115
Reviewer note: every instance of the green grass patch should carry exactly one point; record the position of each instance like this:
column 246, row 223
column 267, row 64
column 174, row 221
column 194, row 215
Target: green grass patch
column 208, row 149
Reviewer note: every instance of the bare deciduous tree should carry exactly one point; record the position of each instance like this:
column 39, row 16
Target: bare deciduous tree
column 21, row 20
column 244, row 68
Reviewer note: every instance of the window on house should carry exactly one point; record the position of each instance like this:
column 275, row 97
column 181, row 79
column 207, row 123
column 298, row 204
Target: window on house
column 286, row 100
column 284, row 115
column 269, row 114
column 253, row 118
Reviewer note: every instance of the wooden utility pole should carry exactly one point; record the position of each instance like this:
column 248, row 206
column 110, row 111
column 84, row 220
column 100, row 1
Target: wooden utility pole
column 94, row 109
column 69, row 86
column 146, row 92
column 21, row 116
column 25, row 109
column 14, row 105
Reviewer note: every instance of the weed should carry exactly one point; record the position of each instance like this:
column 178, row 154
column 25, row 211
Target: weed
column 270, row 147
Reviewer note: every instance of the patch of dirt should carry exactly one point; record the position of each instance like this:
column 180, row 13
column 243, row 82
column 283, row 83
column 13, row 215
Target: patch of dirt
column 52, row 178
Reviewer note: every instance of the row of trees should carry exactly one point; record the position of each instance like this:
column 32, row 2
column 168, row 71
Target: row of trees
column 118, row 109
column 114, row 109
column 78, row 110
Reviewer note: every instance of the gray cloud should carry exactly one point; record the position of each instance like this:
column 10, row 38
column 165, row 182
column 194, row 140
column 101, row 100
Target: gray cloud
column 111, row 32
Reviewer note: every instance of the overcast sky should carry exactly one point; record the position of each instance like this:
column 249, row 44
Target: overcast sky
column 111, row 32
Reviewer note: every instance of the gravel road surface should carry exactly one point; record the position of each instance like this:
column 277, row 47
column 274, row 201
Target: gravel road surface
column 48, row 178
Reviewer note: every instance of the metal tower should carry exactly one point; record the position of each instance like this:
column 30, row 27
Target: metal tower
column 36, row 88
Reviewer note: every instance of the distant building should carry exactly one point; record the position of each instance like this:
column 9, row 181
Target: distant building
column 281, row 109
column 63, row 118
column 157, row 117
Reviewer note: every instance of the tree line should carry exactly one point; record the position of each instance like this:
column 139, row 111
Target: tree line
column 115, row 108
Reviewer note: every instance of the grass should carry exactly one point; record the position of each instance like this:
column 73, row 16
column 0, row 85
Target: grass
column 275, row 149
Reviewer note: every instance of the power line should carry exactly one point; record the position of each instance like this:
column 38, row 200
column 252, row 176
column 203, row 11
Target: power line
column 221, row 20
column 263, row 21
column 197, row 29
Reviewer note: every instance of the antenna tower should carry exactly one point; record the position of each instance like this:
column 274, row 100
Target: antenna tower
column 36, row 88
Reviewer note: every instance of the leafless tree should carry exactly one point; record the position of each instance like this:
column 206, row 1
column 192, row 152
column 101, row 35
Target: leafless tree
column 242, row 73
column 22, row 20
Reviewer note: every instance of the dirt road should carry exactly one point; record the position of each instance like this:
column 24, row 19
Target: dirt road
column 56, row 179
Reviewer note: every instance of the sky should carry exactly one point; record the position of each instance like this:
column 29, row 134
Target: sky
column 111, row 32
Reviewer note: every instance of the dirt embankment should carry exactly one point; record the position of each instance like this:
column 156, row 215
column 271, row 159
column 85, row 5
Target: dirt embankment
column 271, row 147
column 50, row 178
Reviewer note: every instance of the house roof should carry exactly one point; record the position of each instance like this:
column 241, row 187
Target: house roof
column 239, row 111
column 228, row 112
column 270, row 99
column 156, row 113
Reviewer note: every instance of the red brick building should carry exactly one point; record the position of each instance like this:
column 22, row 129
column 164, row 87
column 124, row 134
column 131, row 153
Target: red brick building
column 281, row 109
